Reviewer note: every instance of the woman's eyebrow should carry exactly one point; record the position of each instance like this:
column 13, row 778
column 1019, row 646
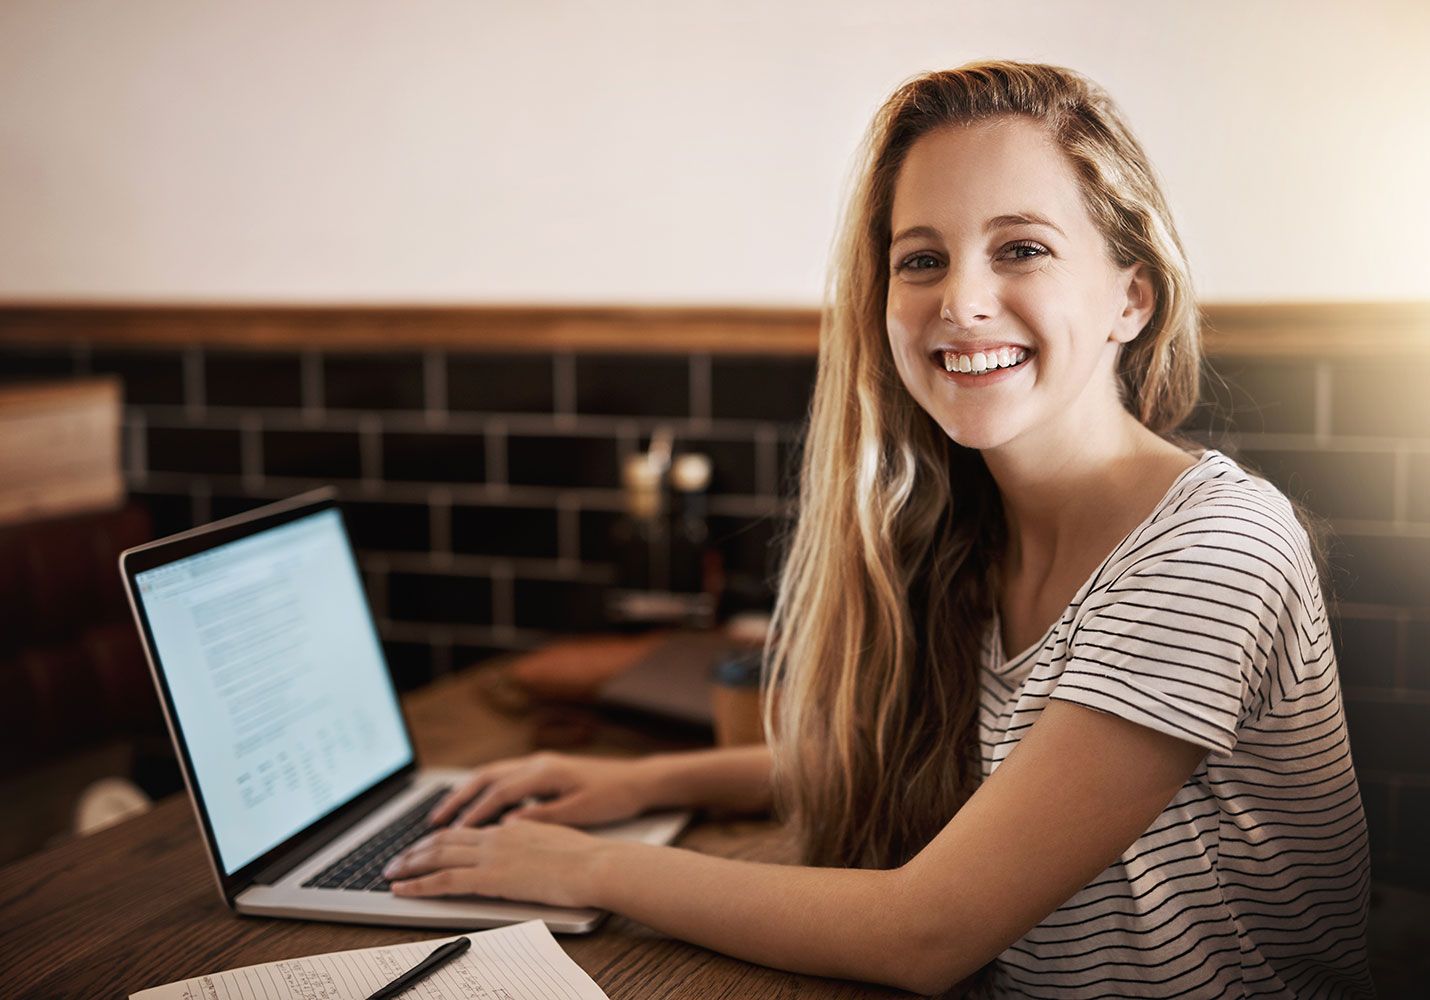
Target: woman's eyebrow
column 1024, row 218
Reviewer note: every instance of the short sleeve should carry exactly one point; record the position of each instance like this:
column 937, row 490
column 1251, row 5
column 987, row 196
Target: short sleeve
column 1192, row 624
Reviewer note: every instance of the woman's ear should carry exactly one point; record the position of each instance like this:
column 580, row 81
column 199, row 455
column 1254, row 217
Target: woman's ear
column 1137, row 307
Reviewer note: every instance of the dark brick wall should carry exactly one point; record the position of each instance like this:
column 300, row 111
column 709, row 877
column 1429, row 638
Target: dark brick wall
column 1350, row 440
column 482, row 489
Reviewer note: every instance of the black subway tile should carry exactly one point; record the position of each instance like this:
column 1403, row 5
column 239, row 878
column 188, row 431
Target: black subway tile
column 1365, row 652
column 751, row 550
column 388, row 527
column 434, row 457
column 1347, row 484
column 28, row 362
column 559, row 460
column 194, row 449
column 1257, row 395
column 373, row 382
column 505, row 531
column 789, row 455
column 1385, row 735
column 1376, row 569
column 243, row 378
column 149, row 376
column 439, row 598
column 636, row 385
column 1417, row 656
column 409, row 662
column 1375, row 799
column 169, row 513
column 312, row 454
column 228, row 506
column 595, row 529
column 1383, row 397
column 559, row 605
column 760, row 388
column 500, row 383
column 1407, row 871
column 1412, row 821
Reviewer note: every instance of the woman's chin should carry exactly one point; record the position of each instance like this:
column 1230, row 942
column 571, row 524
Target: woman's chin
column 976, row 436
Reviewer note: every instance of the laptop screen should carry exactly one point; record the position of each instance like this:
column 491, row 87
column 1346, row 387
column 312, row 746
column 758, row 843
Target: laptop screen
column 278, row 680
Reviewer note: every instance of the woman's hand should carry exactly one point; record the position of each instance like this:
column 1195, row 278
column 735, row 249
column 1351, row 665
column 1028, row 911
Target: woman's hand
column 516, row 859
column 581, row 791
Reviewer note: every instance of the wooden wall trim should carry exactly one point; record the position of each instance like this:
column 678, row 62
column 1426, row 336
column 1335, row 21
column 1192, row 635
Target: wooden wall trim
column 1305, row 329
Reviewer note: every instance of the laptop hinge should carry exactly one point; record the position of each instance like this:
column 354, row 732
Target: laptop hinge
column 329, row 832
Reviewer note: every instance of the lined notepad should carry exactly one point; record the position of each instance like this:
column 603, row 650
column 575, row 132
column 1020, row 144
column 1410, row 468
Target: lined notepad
column 517, row 962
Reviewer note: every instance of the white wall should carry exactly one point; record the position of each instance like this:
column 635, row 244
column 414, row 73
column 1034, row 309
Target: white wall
column 639, row 152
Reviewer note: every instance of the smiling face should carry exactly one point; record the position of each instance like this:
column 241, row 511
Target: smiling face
column 1004, row 259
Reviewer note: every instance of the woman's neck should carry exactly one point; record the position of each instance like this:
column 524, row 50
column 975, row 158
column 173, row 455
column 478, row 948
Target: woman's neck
column 1062, row 497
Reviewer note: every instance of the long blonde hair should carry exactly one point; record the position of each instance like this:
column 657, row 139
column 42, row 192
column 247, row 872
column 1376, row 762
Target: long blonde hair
column 887, row 586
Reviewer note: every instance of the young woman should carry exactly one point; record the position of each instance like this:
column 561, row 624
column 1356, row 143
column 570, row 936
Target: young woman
column 1057, row 692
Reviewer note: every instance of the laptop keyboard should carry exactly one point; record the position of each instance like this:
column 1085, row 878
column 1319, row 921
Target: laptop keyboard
column 361, row 868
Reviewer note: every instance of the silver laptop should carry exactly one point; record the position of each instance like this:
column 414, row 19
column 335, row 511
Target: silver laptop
column 286, row 723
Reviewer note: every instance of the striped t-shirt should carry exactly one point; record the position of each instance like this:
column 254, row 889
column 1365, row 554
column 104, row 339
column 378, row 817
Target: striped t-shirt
column 1206, row 623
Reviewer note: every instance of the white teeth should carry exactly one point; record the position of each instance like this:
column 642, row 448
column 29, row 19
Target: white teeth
column 983, row 361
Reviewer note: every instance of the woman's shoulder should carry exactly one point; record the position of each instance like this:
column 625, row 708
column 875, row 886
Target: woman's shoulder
column 1217, row 519
column 1219, row 499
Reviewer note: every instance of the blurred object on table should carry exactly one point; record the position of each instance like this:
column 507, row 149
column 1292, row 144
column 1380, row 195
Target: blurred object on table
column 667, row 573
column 735, row 699
column 663, row 676
column 59, row 448
column 72, row 672
column 673, row 678
column 574, row 669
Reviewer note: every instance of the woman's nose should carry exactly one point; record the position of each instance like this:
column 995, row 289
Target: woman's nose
column 968, row 299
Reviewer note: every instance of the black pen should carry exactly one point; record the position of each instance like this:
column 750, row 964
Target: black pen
column 424, row 968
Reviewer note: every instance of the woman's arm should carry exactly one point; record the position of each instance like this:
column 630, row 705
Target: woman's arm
column 735, row 779
column 1079, row 789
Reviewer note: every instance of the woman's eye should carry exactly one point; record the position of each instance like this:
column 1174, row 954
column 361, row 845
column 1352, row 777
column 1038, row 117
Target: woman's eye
column 1026, row 250
column 1038, row 250
column 907, row 263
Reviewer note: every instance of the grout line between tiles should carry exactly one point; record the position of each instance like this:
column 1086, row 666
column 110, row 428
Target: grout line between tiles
column 370, row 452
column 251, row 452
column 1400, row 490
column 1323, row 401
column 503, row 595
column 312, row 376
column 563, row 386
column 495, row 443
column 194, row 401
column 434, row 388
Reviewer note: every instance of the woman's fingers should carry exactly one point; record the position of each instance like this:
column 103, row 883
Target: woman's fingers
column 448, row 882
column 501, row 794
column 566, row 809
column 445, row 863
column 432, row 858
column 539, row 773
column 462, row 794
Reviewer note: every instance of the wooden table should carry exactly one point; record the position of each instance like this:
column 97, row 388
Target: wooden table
column 135, row 906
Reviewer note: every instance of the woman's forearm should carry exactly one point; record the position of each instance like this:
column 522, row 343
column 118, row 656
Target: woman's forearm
column 840, row 922
column 725, row 778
